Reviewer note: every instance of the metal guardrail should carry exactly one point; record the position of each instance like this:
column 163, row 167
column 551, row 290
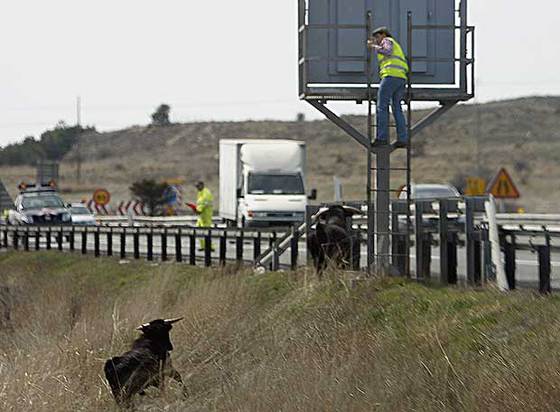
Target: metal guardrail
column 524, row 219
column 151, row 220
column 177, row 243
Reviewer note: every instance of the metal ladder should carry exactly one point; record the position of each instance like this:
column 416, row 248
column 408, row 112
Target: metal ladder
column 379, row 190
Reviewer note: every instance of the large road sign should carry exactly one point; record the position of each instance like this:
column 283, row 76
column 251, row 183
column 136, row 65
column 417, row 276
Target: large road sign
column 502, row 186
column 333, row 52
column 101, row 197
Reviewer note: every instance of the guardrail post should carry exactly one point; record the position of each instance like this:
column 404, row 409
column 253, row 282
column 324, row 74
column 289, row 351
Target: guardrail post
column 443, row 243
column 477, row 262
column 49, row 235
column 5, row 236
column 271, row 243
column 136, row 243
column 426, row 251
column 256, row 246
column 275, row 257
column 356, row 250
column 37, row 239
column 96, row 251
column 110, row 242
column 123, row 244
column 509, row 264
column 150, row 244
column 84, row 241
column 164, row 245
column 26, row 239
column 239, row 246
column 469, row 240
column 178, row 246
column 294, row 249
column 71, row 237
column 59, row 238
column 223, row 246
column 309, row 211
column 544, row 269
column 15, row 239
column 398, row 242
column 192, row 247
column 422, row 261
column 208, row 248
column 452, row 241
column 489, row 270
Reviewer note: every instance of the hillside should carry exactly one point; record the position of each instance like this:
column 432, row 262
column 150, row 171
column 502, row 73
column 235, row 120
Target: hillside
column 522, row 135
column 280, row 341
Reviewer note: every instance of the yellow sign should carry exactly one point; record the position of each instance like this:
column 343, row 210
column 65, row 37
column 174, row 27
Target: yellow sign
column 101, row 197
column 502, row 186
column 476, row 186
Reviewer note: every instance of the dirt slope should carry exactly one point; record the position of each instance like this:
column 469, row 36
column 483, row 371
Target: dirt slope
column 522, row 135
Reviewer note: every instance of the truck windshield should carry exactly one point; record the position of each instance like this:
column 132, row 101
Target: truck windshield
column 272, row 184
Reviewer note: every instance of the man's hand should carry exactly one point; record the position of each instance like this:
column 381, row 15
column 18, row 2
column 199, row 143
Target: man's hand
column 372, row 44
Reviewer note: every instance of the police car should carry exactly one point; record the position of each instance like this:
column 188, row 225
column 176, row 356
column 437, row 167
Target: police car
column 39, row 205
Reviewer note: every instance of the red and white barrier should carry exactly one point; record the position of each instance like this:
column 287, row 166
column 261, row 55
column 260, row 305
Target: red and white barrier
column 132, row 207
column 97, row 209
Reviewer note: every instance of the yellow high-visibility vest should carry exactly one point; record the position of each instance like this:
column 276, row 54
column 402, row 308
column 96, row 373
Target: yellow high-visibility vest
column 394, row 65
column 204, row 207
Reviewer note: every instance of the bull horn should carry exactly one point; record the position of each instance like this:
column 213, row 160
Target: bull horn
column 173, row 320
column 142, row 326
column 353, row 210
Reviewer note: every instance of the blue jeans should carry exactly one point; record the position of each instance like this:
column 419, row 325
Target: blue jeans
column 391, row 91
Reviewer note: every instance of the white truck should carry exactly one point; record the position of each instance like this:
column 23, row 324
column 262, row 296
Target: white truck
column 262, row 182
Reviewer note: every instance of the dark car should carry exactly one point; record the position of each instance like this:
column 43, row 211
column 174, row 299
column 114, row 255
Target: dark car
column 39, row 205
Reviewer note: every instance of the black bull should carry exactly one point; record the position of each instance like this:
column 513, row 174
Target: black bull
column 334, row 241
column 146, row 364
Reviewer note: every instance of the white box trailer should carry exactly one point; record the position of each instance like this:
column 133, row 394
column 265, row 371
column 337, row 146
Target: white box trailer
column 262, row 182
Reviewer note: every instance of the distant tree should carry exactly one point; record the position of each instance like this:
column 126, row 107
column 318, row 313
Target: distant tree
column 52, row 145
column 300, row 117
column 151, row 194
column 161, row 116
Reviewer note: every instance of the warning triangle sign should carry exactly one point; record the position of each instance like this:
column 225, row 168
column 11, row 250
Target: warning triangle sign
column 502, row 186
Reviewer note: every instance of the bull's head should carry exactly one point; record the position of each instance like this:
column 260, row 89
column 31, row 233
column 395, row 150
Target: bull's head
column 337, row 214
column 158, row 330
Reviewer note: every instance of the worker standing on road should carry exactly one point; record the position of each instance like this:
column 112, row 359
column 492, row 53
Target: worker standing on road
column 393, row 71
column 203, row 209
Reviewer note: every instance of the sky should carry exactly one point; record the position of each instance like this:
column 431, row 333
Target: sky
column 214, row 60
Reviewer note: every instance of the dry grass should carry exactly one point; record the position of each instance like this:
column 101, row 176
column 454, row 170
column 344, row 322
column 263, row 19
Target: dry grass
column 273, row 342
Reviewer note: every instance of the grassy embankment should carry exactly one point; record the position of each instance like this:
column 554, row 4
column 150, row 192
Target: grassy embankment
column 280, row 341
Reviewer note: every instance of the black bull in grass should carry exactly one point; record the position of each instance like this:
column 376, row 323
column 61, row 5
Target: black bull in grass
column 146, row 364
column 333, row 241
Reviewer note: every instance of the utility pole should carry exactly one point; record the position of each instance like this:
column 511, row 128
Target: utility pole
column 78, row 149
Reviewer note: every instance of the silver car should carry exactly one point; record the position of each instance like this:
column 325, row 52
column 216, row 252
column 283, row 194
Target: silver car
column 425, row 191
column 81, row 215
column 430, row 191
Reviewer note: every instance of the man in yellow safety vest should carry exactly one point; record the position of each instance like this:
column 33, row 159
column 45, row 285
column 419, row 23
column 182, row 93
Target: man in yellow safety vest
column 393, row 71
column 203, row 209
